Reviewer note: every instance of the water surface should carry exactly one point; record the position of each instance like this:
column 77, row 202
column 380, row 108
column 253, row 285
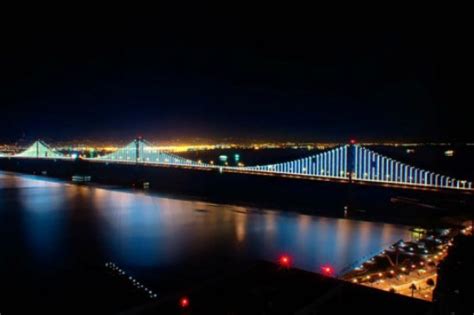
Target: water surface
column 54, row 234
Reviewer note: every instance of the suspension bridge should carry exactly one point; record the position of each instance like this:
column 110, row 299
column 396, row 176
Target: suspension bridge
column 346, row 163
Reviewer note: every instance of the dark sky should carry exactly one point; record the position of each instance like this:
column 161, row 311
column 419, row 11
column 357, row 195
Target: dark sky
column 73, row 78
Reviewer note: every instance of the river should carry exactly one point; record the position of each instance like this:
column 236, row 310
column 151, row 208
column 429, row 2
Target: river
column 55, row 235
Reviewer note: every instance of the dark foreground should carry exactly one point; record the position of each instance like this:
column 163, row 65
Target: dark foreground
column 265, row 288
column 255, row 288
column 454, row 291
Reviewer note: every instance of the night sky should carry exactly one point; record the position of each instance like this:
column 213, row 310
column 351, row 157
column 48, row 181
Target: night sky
column 74, row 78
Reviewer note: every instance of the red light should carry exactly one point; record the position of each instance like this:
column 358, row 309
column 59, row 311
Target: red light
column 353, row 141
column 184, row 302
column 285, row 261
column 327, row 270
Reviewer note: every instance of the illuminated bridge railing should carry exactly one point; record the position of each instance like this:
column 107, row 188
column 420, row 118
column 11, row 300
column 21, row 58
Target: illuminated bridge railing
column 332, row 164
column 347, row 162
column 373, row 167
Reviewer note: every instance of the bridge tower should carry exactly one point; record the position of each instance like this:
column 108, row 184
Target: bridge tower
column 351, row 159
column 137, row 149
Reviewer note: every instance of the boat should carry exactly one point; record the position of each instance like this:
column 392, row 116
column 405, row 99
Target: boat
column 81, row 178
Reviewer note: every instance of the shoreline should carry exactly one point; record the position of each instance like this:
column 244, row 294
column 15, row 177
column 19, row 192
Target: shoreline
column 413, row 265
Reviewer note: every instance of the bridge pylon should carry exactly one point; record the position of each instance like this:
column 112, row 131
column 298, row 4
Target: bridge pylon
column 351, row 153
column 137, row 149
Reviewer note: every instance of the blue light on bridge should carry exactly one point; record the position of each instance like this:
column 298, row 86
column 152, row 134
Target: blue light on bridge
column 366, row 165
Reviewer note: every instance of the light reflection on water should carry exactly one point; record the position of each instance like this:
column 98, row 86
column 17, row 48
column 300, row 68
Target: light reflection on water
column 139, row 230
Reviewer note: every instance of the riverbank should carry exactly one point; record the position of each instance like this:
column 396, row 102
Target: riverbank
column 408, row 268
